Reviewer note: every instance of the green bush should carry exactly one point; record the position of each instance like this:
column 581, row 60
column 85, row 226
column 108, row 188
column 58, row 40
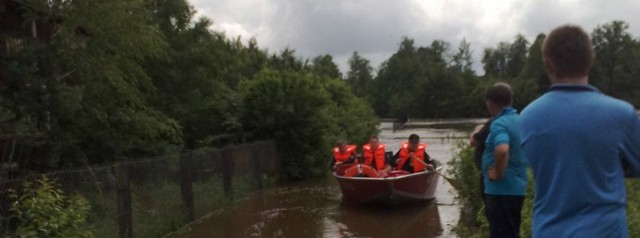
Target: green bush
column 304, row 113
column 41, row 209
column 633, row 207
column 472, row 222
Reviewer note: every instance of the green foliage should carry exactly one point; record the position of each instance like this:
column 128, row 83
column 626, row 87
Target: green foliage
column 464, row 170
column 196, row 83
column 415, row 81
column 534, row 69
column 353, row 117
column 360, row 76
column 41, row 209
column 324, row 66
column 519, row 65
column 462, row 60
column 81, row 92
column 616, row 70
column 633, row 207
column 305, row 114
column 420, row 82
column 292, row 108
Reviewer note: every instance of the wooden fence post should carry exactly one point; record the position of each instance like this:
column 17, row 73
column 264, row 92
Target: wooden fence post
column 227, row 171
column 123, row 190
column 255, row 163
column 186, row 185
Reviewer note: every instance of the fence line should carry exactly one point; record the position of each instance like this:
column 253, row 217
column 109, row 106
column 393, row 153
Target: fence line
column 154, row 196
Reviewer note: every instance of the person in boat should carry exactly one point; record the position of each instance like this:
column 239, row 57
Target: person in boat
column 416, row 150
column 375, row 155
column 580, row 144
column 504, row 167
column 343, row 154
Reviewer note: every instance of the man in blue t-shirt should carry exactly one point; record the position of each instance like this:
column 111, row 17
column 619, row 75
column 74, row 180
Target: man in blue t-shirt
column 580, row 145
column 504, row 168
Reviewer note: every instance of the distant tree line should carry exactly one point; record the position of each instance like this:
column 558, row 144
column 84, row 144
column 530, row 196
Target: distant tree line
column 85, row 82
column 436, row 81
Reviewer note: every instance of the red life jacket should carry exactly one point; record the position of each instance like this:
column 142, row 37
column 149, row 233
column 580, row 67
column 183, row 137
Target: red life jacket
column 377, row 153
column 342, row 157
column 418, row 153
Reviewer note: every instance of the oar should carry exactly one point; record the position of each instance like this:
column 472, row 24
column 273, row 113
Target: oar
column 454, row 183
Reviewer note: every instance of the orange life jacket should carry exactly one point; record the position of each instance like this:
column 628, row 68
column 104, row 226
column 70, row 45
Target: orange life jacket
column 342, row 157
column 418, row 153
column 377, row 153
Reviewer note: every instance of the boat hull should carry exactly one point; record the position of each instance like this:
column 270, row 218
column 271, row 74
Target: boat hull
column 413, row 187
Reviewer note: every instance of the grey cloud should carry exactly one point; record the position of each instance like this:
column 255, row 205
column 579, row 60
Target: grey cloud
column 335, row 27
column 375, row 28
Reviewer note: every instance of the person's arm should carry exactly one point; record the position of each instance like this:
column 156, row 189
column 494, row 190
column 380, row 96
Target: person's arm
column 501, row 156
column 472, row 138
column 430, row 165
column 500, row 152
column 480, row 134
column 631, row 148
column 386, row 169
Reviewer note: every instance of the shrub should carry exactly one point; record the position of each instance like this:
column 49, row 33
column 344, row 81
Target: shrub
column 304, row 114
column 42, row 210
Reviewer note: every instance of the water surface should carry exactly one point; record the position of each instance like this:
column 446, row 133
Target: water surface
column 315, row 208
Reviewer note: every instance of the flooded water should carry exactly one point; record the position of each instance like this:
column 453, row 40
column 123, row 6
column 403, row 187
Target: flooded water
column 315, row 208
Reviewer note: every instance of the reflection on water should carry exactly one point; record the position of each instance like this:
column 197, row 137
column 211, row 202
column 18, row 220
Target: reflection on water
column 293, row 210
column 315, row 208
column 411, row 220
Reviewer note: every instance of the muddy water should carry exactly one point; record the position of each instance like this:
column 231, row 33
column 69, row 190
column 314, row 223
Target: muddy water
column 315, row 208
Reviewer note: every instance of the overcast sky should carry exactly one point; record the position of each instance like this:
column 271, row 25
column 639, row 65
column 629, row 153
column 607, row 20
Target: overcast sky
column 375, row 28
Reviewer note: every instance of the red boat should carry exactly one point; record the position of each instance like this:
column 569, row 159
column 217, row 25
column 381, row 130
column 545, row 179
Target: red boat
column 393, row 189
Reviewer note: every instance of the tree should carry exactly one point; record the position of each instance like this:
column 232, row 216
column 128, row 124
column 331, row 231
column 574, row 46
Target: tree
column 286, row 61
column 461, row 61
column 77, row 83
column 323, row 65
column 615, row 60
column 360, row 76
column 533, row 68
column 507, row 60
column 197, row 83
column 495, row 61
column 292, row 108
column 516, row 57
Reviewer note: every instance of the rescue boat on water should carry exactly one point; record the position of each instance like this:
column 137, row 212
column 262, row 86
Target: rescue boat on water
column 394, row 188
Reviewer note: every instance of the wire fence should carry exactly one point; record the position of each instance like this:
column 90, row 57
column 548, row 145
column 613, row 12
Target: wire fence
column 154, row 196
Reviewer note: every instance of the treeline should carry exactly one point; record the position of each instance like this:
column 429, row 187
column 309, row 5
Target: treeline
column 437, row 81
column 86, row 82
column 98, row 82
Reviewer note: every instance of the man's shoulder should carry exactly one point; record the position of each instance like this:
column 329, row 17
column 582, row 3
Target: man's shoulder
column 504, row 120
column 611, row 102
column 536, row 105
